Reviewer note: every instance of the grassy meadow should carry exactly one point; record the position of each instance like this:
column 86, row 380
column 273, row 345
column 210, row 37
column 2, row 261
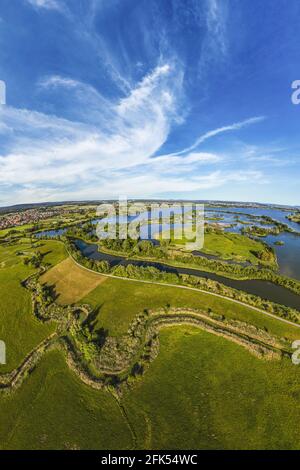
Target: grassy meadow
column 202, row 391
column 20, row 330
column 233, row 246
column 229, row 246
column 54, row 410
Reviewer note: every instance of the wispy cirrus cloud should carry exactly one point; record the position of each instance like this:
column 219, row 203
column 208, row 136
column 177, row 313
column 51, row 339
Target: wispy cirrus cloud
column 97, row 146
column 220, row 130
column 47, row 150
column 47, row 4
column 216, row 24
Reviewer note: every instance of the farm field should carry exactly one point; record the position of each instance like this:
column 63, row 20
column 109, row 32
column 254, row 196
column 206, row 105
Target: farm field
column 200, row 392
column 208, row 393
column 20, row 330
column 55, row 410
column 228, row 397
column 71, row 283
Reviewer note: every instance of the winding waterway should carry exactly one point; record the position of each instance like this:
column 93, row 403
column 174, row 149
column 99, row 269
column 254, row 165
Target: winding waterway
column 264, row 289
column 288, row 254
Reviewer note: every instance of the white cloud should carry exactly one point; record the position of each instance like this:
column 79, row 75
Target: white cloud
column 215, row 47
column 109, row 150
column 216, row 24
column 208, row 135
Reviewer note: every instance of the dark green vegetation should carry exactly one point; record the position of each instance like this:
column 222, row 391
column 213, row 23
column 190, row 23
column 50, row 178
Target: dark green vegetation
column 228, row 400
column 294, row 217
column 275, row 229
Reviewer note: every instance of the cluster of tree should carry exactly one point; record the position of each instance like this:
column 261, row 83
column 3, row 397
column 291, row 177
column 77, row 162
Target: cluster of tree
column 146, row 273
column 250, row 299
column 255, row 230
column 145, row 248
column 267, row 254
column 132, row 271
column 35, row 260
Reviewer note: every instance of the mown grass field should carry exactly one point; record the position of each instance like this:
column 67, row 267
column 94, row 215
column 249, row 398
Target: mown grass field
column 204, row 392
column 118, row 302
column 18, row 327
column 54, row 410
column 71, row 282
column 201, row 392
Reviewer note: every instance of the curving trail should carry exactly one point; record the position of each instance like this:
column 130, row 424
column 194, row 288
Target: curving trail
column 289, row 322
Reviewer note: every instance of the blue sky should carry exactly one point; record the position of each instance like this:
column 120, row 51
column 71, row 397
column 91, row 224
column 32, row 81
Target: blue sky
column 149, row 98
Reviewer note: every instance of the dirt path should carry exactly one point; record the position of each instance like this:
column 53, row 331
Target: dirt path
column 194, row 289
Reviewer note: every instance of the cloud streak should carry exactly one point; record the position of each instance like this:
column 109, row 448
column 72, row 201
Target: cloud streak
column 47, row 4
column 92, row 142
column 220, row 130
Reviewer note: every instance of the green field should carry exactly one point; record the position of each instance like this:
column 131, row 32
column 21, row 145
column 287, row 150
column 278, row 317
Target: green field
column 205, row 392
column 18, row 327
column 54, row 410
column 231, row 246
column 118, row 302
column 201, row 392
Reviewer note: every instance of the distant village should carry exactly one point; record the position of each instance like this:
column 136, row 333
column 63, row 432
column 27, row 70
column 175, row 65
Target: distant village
column 25, row 217
column 32, row 216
